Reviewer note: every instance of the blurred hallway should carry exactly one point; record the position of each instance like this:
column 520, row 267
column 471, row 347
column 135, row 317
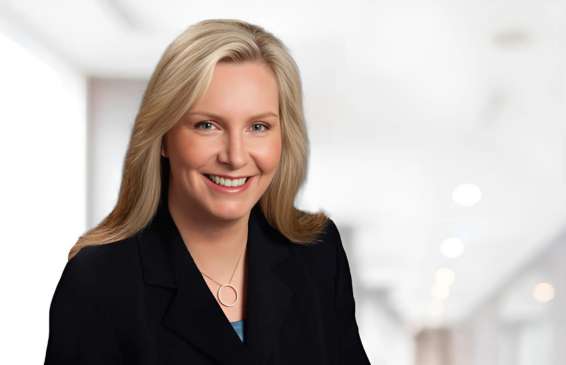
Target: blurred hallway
column 453, row 112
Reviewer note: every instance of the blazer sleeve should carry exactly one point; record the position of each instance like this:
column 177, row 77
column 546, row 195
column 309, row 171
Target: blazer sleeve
column 78, row 333
column 351, row 350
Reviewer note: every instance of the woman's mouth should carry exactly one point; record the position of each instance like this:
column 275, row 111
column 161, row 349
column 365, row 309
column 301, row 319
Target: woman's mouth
column 228, row 185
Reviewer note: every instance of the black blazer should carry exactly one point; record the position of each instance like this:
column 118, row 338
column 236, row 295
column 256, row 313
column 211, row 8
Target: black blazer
column 143, row 301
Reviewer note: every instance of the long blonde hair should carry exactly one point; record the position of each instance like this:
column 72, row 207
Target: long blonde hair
column 181, row 77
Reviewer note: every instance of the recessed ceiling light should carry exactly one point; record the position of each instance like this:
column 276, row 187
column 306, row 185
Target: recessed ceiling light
column 467, row 195
column 543, row 292
column 444, row 276
column 452, row 247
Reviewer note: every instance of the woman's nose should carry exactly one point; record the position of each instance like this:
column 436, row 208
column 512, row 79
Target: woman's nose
column 234, row 151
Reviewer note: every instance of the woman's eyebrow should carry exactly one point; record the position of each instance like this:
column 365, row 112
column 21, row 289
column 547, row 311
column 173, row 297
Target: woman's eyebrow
column 216, row 116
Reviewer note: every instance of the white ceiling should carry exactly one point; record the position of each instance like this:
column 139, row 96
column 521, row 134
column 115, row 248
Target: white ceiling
column 424, row 96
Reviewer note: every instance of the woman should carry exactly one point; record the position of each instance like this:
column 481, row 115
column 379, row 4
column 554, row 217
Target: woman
column 204, row 259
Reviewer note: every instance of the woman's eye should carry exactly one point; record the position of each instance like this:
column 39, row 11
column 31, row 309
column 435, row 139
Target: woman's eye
column 202, row 123
column 207, row 123
column 265, row 126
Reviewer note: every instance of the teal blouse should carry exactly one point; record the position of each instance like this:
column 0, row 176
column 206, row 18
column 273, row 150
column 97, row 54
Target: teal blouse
column 239, row 328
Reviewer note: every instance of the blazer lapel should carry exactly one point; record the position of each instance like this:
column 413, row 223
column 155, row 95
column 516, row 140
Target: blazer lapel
column 195, row 316
column 271, row 268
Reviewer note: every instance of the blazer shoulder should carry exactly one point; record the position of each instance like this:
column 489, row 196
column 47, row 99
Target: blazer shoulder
column 320, row 255
column 102, row 254
column 327, row 240
column 84, row 303
column 97, row 264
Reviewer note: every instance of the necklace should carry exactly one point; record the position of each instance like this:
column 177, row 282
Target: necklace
column 228, row 285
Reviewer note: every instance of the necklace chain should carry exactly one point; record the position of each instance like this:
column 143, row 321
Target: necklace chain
column 226, row 285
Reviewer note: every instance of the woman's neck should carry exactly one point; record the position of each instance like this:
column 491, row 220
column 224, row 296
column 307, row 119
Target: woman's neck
column 214, row 244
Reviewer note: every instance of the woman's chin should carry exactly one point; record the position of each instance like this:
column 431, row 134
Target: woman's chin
column 230, row 211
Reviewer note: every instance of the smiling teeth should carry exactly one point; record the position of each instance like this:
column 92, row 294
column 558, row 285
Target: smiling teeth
column 227, row 182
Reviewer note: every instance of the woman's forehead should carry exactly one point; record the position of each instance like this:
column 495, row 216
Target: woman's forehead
column 240, row 89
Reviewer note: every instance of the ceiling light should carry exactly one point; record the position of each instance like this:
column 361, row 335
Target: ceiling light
column 466, row 195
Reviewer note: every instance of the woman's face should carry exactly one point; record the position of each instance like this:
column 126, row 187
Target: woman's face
column 232, row 130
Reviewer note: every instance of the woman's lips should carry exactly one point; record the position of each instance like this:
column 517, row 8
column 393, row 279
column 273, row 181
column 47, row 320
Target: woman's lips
column 226, row 177
column 226, row 189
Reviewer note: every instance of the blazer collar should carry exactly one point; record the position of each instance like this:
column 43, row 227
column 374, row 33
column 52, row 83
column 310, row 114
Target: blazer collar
column 195, row 316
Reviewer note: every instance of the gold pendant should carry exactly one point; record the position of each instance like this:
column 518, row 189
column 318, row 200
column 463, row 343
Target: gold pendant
column 235, row 293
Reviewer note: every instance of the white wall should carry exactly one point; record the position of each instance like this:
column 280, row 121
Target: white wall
column 112, row 108
column 42, row 186
column 386, row 339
